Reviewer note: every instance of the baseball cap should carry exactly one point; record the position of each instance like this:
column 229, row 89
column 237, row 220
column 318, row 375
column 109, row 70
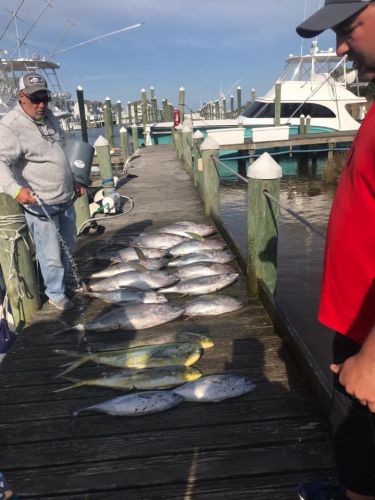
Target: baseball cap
column 30, row 83
column 333, row 13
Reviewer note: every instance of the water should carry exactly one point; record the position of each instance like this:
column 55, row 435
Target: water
column 300, row 251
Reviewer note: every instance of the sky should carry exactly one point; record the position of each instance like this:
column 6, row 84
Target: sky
column 208, row 47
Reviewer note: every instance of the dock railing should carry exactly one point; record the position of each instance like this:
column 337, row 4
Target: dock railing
column 202, row 161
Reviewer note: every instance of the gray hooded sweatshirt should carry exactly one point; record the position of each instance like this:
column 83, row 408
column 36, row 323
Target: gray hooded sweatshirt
column 32, row 155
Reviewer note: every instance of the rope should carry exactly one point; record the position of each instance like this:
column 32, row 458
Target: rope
column 13, row 235
column 216, row 160
column 295, row 215
column 288, row 151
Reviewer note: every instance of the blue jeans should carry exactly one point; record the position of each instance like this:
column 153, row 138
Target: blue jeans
column 54, row 264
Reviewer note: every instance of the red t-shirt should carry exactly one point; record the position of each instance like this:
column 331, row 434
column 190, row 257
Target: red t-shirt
column 347, row 301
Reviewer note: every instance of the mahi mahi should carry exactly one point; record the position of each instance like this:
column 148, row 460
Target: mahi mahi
column 205, row 284
column 180, row 353
column 144, row 379
column 133, row 405
column 215, row 388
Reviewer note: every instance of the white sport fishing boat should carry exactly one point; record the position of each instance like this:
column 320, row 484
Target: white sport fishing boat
column 318, row 85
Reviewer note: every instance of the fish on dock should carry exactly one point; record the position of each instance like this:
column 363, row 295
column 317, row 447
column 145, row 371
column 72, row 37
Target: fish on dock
column 129, row 294
column 204, row 284
column 143, row 379
column 218, row 256
column 157, row 240
column 198, row 269
column 130, row 317
column 215, row 388
column 148, row 339
column 123, row 267
column 212, row 305
column 187, row 247
column 133, row 405
column 144, row 280
column 139, row 357
column 129, row 254
column 186, row 228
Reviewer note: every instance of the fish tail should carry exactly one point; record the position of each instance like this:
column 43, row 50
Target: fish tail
column 74, row 365
column 75, row 328
column 76, row 383
column 71, row 354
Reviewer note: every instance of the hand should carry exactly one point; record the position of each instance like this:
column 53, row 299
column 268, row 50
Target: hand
column 25, row 196
column 79, row 189
column 357, row 375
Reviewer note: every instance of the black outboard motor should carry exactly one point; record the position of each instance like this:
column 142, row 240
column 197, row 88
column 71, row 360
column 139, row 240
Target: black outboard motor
column 80, row 155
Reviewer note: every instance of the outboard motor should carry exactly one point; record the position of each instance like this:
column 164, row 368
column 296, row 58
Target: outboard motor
column 80, row 155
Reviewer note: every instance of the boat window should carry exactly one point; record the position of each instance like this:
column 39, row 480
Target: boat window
column 267, row 110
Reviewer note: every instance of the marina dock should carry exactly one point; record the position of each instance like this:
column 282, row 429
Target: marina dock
column 258, row 446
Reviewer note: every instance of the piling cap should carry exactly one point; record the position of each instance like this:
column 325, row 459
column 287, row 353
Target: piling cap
column 101, row 141
column 198, row 135
column 123, row 129
column 208, row 144
column 265, row 167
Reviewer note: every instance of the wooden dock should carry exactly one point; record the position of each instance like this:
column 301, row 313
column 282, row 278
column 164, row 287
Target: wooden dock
column 258, row 446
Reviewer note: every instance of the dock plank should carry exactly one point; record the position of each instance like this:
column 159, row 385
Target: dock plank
column 259, row 446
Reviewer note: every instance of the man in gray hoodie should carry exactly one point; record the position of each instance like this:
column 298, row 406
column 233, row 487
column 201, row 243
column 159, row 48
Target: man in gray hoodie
column 33, row 160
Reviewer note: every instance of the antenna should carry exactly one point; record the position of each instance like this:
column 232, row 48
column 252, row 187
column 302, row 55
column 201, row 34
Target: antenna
column 14, row 16
column 21, row 42
column 98, row 38
column 70, row 25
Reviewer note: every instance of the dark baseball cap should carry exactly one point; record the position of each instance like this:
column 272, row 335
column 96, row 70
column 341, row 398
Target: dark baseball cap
column 333, row 13
column 30, row 83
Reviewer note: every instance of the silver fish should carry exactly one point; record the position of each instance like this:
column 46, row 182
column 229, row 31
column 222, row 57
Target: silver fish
column 212, row 305
column 156, row 240
column 123, row 267
column 197, row 269
column 142, row 280
column 128, row 254
column 215, row 388
column 131, row 317
column 205, row 284
column 220, row 256
column 133, row 405
column 185, row 227
column 144, row 379
column 187, row 247
column 129, row 295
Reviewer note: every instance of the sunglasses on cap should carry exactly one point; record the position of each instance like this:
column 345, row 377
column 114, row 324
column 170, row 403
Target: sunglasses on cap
column 38, row 99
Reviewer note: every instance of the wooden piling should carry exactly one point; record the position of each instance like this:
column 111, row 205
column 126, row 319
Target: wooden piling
column 108, row 122
column 262, row 226
column 198, row 139
column 17, row 264
column 239, row 100
column 181, row 102
column 217, row 109
column 253, row 95
column 135, row 138
column 302, row 125
column 308, row 124
column 187, row 141
column 152, row 93
column 130, row 113
column 119, row 113
column 144, row 108
column 105, row 166
column 232, row 106
column 211, row 181
column 82, row 114
column 124, row 144
column 224, row 102
column 82, row 210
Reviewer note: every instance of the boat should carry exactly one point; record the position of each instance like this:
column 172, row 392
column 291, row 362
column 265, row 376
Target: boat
column 318, row 85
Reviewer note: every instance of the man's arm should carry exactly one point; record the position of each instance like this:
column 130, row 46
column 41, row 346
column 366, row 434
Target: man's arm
column 10, row 151
column 357, row 373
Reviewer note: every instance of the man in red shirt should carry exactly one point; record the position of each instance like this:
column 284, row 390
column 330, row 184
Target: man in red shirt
column 347, row 302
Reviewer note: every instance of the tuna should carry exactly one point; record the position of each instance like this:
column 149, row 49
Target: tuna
column 198, row 269
column 133, row 405
column 145, row 280
column 212, row 305
column 220, row 256
column 157, row 240
column 185, row 228
column 205, row 284
column 192, row 246
column 123, row 267
column 129, row 294
column 215, row 388
column 130, row 317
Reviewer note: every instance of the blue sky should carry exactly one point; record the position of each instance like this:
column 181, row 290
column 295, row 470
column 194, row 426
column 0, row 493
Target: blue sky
column 206, row 46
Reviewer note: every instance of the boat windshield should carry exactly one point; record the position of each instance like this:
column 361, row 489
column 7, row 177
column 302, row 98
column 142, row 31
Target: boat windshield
column 259, row 109
column 304, row 68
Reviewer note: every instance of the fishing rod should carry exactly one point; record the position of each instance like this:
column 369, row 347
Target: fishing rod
column 98, row 38
column 14, row 16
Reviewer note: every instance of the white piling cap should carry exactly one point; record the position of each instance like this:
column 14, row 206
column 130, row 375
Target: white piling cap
column 101, row 141
column 209, row 143
column 181, row 89
column 122, row 130
column 198, row 135
column 265, row 167
column 79, row 87
column 239, row 87
column 118, row 101
column 107, row 98
column 143, row 90
column 151, row 88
